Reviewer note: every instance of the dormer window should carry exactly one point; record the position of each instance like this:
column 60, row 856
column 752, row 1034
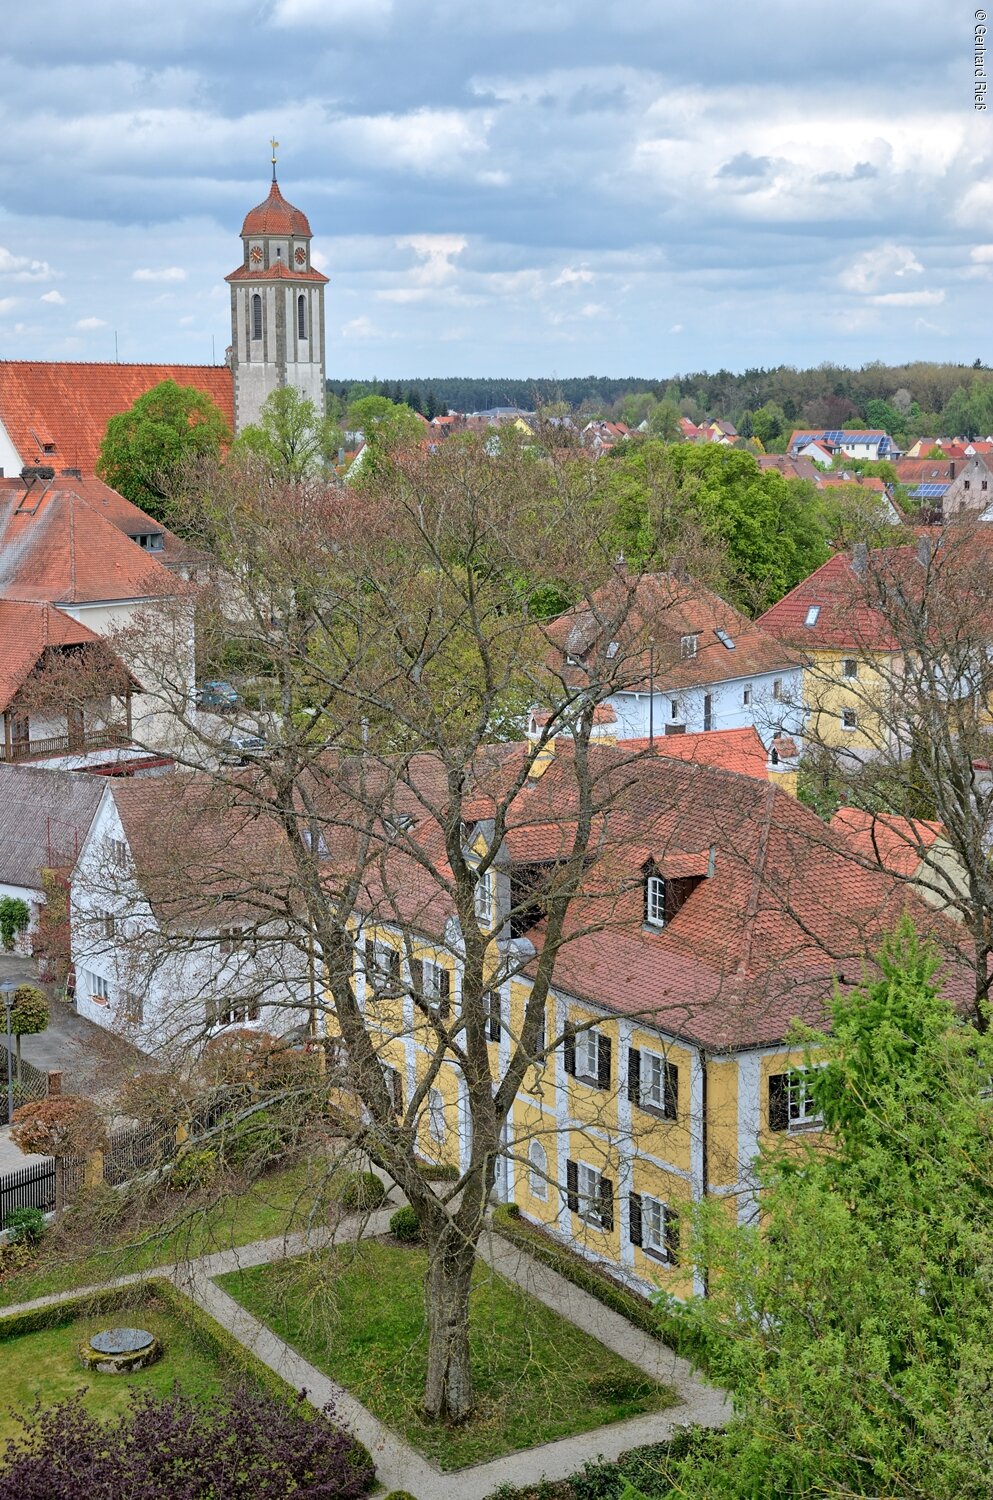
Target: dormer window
column 687, row 646
column 665, row 896
column 484, row 899
column 612, row 650
column 655, row 901
column 810, row 619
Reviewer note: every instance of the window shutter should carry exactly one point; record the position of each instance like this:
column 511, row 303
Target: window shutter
column 370, row 963
column 444, row 994
column 603, row 1060
column 605, row 1203
column 779, row 1101
column 495, row 1015
column 572, row 1185
column 417, row 978
column 670, row 1108
column 395, row 968
column 569, row 1049
column 634, row 1082
column 672, row 1236
column 634, row 1218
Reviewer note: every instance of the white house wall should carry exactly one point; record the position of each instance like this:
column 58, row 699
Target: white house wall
column 767, row 714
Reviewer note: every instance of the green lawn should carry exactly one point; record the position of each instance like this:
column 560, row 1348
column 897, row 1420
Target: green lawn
column 46, row 1365
column 275, row 1204
column 358, row 1314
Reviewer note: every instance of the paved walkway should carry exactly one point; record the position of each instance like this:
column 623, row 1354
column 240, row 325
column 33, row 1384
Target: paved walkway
column 398, row 1465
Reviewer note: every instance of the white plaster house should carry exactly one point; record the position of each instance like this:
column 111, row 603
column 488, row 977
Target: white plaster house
column 684, row 662
column 167, row 949
column 44, row 819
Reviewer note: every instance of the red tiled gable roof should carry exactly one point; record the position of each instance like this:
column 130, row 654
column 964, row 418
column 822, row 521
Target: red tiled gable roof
column 27, row 631
column 276, row 216
column 667, row 609
column 69, row 405
column 863, row 481
column 278, row 271
column 113, row 506
column 737, row 750
column 924, row 470
column 55, row 546
column 897, row 844
column 843, row 616
column 790, row 468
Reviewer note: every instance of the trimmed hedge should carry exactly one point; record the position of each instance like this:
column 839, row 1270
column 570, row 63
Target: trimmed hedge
column 359, row 1190
column 406, row 1226
column 438, row 1171
column 232, row 1357
column 508, row 1222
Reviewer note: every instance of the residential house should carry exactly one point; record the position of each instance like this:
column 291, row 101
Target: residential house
column 682, row 661
column 916, row 849
column 870, row 442
column 600, row 436
column 817, row 451
column 790, row 468
column 44, row 818
column 64, row 545
column 168, row 947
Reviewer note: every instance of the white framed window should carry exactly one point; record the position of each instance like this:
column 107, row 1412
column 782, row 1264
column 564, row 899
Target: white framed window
column 655, row 901
column 687, row 646
column 119, row 852
column 849, row 718
column 231, row 939
column 653, row 1224
column 435, row 981
column 483, row 898
column 223, row 1011
column 652, row 1080
column 801, row 1109
column 849, row 667
column 612, row 650
column 673, row 709
column 538, row 1171
column 810, row 619
column 99, row 989
column 593, row 1191
column 437, row 1128
column 746, row 696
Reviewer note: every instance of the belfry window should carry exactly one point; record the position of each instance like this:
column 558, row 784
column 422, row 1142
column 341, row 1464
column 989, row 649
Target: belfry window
column 301, row 317
column 256, row 316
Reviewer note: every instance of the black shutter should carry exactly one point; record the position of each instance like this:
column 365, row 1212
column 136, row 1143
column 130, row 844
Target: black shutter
column 671, row 1231
column 417, row 978
column 634, row 1218
column 495, row 1015
column 670, row 1104
column 634, row 1088
column 603, row 1061
column 569, row 1048
column 605, row 1203
column 444, row 994
column 370, row 963
column 572, row 1185
column 395, row 969
column 779, row 1101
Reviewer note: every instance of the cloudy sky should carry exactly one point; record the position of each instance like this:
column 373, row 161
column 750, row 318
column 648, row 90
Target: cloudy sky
column 534, row 187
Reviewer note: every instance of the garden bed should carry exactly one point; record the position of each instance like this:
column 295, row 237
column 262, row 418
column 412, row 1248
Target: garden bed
column 357, row 1313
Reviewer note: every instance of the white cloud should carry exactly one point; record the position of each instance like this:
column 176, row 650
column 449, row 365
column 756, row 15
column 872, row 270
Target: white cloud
column 574, row 276
column 435, row 253
column 908, row 299
column 444, row 142
column 592, row 310
column 676, row 328
column 873, row 268
column 187, row 321
column 981, row 254
column 55, row 297
column 6, row 303
column 166, row 273
column 359, row 328
column 86, row 325
column 359, row 15
column 23, row 268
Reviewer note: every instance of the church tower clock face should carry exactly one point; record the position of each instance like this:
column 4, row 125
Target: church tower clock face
column 277, row 309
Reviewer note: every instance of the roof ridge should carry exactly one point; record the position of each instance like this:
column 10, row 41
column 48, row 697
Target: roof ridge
column 758, row 876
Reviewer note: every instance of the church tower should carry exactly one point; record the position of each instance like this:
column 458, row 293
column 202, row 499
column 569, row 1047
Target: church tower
column 277, row 309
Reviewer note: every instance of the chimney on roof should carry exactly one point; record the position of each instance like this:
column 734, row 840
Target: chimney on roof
column 951, row 468
column 860, row 559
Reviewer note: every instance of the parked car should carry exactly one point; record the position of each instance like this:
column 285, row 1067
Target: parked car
column 218, row 696
column 241, row 748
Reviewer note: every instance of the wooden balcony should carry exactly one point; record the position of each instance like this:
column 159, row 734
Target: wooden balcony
column 111, row 738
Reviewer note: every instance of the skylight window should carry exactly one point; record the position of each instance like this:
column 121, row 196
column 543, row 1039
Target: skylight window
column 725, row 639
column 812, row 613
column 612, row 650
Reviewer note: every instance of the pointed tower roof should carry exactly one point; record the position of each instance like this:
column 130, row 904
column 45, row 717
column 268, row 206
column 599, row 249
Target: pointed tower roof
column 276, row 216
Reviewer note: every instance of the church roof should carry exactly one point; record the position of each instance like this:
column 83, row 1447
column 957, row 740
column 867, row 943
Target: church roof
column 278, row 271
column 57, row 413
column 276, row 216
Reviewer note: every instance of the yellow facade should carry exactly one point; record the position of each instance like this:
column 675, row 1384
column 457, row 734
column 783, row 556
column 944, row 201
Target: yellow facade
column 830, row 694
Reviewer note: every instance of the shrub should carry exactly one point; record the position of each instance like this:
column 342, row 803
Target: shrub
column 359, row 1190
column 194, row 1169
column 438, row 1171
column 29, row 1011
column 15, row 917
column 64, row 1126
column 405, row 1225
column 15, row 1256
column 399, row 1495
column 255, row 1142
column 245, row 1441
column 25, row 1225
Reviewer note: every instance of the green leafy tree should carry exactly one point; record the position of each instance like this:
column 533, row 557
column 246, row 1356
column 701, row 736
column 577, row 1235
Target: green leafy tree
column 769, row 423
column 663, row 422
column 292, row 437
column 15, row 917
column 146, row 447
column 29, row 1014
column 853, row 1328
column 882, row 414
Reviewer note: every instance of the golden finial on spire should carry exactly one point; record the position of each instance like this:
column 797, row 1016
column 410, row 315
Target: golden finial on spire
column 275, row 147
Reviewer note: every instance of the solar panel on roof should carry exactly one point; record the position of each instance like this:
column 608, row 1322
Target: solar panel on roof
column 930, row 491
